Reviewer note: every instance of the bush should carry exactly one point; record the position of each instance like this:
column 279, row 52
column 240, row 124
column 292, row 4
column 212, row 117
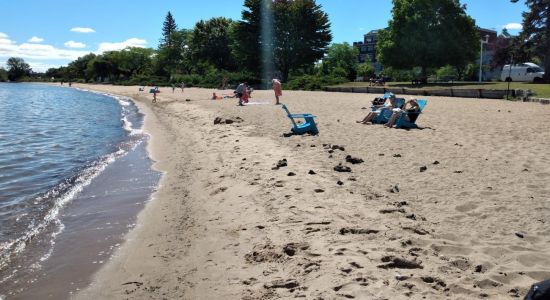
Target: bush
column 213, row 79
column 313, row 82
column 399, row 75
column 144, row 80
column 365, row 70
column 447, row 73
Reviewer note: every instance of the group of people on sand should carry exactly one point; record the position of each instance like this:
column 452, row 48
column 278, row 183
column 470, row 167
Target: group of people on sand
column 244, row 92
column 411, row 107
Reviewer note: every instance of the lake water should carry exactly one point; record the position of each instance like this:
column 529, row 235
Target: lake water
column 74, row 173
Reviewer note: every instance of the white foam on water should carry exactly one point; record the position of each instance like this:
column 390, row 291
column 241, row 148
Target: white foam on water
column 124, row 102
column 62, row 194
column 65, row 192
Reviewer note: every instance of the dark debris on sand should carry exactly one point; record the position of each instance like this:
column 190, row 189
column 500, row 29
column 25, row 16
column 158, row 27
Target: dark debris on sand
column 280, row 164
column 353, row 160
column 392, row 262
column 342, row 168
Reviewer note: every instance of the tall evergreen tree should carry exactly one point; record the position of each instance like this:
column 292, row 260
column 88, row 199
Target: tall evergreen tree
column 428, row 33
column 536, row 31
column 168, row 28
column 170, row 52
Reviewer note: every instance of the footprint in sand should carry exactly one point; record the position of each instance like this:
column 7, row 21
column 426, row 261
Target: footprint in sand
column 466, row 207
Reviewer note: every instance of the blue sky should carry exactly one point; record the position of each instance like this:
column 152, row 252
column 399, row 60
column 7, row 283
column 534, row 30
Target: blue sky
column 53, row 33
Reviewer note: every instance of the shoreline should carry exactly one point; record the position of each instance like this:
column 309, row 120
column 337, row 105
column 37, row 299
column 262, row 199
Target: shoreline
column 100, row 208
column 223, row 223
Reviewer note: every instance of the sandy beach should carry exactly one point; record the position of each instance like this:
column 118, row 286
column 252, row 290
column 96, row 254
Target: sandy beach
column 458, row 209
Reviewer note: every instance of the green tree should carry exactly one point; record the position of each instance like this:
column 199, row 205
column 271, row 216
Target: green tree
column 168, row 28
column 174, row 59
column 55, row 73
column 101, row 68
column 365, row 70
column 135, row 60
column 169, row 52
column 300, row 35
column 536, row 31
column 79, row 66
column 211, row 42
column 342, row 56
column 428, row 34
column 17, row 68
column 3, row 75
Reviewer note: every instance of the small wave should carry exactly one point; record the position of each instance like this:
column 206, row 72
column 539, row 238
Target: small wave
column 125, row 102
column 65, row 191
column 62, row 194
column 129, row 127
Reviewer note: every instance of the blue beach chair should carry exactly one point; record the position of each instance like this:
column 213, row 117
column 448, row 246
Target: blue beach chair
column 408, row 119
column 386, row 112
column 308, row 127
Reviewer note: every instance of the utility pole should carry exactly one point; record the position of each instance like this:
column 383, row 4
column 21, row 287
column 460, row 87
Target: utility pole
column 509, row 76
column 481, row 56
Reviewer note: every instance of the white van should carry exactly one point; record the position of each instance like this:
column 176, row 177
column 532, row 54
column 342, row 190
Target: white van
column 523, row 72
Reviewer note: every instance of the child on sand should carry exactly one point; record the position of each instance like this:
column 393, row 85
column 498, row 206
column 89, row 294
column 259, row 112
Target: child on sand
column 215, row 97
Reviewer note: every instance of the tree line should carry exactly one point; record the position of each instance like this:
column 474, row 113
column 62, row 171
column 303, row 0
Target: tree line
column 430, row 36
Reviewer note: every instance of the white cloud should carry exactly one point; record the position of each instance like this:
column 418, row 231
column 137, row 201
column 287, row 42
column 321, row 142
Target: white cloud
column 9, row 48
column 40, row 66
column 73, row 44
column 35, row 39
column 82, row 30
column 5, row 39
column 43, row 56
column 133, row 42
column 513, row 26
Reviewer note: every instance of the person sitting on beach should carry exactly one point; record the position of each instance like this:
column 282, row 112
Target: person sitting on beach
column 215, row 97
column 390, row 104
column 411, row 112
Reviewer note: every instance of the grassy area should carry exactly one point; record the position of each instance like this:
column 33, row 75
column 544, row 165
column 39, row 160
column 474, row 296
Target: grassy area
column 540, row 90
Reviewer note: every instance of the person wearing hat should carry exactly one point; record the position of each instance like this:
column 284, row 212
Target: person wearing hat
column 412, row 112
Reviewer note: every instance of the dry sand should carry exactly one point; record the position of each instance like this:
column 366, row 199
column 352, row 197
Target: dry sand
column 224, row 224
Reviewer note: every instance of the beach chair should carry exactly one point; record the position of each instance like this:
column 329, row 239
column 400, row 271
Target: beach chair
column 403, row 121
column 308, row 127
column 385, row 112
column 379, row 106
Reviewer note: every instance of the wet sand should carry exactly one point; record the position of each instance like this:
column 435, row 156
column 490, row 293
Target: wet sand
column 95, row 223
column 456, row 210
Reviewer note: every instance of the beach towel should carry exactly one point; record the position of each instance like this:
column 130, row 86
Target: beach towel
column 258, row 103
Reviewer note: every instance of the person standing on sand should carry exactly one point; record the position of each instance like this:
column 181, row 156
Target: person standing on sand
column 173, row 88
column 277, row 89
column 155, row 91
column 182, row 86
column 241, row 93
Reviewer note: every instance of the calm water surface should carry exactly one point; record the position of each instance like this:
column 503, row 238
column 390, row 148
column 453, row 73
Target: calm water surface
column 53, row 142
